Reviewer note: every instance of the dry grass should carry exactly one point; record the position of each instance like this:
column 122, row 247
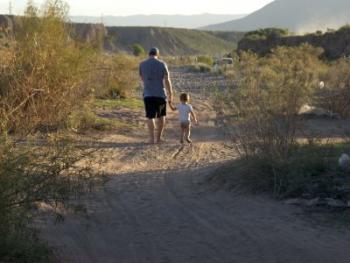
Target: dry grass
column 116, row 76
column 335, row 96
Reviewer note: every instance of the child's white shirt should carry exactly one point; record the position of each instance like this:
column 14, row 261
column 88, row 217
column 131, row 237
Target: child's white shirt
column 184, row 112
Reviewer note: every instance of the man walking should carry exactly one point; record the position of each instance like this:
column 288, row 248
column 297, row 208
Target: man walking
column 157, row 90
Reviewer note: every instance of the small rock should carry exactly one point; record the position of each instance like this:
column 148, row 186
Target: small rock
column 335, row 203
column 322, row 85
column 294, row 201
column 312, row 202
column 307, row 195
column 344, row 161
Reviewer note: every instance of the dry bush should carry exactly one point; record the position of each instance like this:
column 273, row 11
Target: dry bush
column 180, row 61
column 199, row 68
column 47, row 73
column 205, row 60
column 44, row 78
column 116, row 76
column 31, row 175
column 270, row 92
column 335, row 96
column 269, row 96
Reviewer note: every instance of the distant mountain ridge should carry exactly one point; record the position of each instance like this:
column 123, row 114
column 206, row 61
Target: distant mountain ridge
column 177, row 21
column 171, row 41
column 298, row 16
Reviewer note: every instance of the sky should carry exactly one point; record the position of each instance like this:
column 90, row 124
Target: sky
column 132, row 7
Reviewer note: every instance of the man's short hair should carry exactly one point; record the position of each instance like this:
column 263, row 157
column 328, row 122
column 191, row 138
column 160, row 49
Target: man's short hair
column 154, row 51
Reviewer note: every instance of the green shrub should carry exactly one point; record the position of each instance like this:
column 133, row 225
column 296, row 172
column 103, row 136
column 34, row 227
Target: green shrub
column 205, row 60
column 344, row 29
column 266, row 33
column 138, row 50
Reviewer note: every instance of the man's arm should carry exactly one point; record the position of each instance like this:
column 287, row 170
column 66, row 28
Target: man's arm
column 169, row 88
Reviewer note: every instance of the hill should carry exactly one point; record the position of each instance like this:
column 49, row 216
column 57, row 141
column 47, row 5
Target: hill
column 296, row 15
column 171, row 41
column 177, row 21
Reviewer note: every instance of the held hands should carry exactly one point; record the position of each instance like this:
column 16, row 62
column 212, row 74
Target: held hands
column 172, row 107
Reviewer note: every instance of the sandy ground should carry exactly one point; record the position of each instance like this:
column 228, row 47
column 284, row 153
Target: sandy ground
column 156, row 207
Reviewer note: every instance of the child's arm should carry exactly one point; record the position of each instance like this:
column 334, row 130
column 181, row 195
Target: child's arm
column 194, row 117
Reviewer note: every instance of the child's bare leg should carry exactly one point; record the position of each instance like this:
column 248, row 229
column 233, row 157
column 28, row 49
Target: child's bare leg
column 188, row 134
column 182, row 134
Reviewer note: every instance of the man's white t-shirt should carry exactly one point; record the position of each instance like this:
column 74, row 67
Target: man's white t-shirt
column 184, row 112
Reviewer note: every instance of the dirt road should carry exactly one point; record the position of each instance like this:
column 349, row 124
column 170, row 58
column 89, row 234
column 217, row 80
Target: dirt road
column 157, row 208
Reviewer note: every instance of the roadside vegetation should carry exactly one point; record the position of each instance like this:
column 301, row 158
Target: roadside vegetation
column 335, row 95
column 266, row 33
column 195, row 64
column 50, row 85
column 277, row 153
column 129, row 103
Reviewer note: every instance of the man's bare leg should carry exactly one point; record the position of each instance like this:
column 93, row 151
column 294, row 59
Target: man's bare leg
column 151, row 128
column 160, row 128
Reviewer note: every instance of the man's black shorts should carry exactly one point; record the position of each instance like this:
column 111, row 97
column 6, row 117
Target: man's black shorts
column 155, row 107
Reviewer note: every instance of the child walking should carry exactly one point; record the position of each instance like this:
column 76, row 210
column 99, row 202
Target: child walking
column 186, row 115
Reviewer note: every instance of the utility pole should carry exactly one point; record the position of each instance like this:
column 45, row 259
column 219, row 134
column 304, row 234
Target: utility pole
column 10, row 8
